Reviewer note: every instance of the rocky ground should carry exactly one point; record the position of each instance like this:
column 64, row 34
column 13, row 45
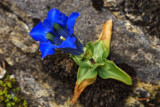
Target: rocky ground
column 50, row 82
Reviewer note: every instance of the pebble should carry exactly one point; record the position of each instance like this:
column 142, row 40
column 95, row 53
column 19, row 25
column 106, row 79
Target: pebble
column 2, row 72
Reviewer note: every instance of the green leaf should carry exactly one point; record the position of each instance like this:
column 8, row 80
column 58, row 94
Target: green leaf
column 5, row 92
column 110, row 70
column 1, row 99
column 100, row 52
column 25, row 103
column 9, row 104
column 86, row 71
column 7, row 100
column 1, row 83
column 77, row 59
column 9, row 97
column 88, row 53
column 1, row 92
column 16, row 89
column 13, row 80
column 7, row 77
column 13, row 103
column 15, row 98
column 9, row 84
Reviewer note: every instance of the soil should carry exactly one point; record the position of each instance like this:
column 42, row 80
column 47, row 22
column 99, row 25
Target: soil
column 97, row 4
column 103, row 93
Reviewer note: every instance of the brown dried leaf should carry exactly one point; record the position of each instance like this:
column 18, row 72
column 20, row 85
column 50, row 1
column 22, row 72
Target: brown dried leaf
column 79, row 88
column 105, row 36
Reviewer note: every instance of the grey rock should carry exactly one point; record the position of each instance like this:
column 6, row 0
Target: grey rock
column 9, row 61
column 132, row 102
column 143, row 13
column 142, row 47
column 37, row 9
column 145, row 94
column 112, row 2
column 19, row 41
column 142, row 93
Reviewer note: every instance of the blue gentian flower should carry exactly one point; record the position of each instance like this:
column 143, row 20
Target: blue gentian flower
column 56, row 31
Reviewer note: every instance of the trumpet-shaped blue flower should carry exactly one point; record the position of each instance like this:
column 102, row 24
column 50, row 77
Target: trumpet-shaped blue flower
column 56, row 31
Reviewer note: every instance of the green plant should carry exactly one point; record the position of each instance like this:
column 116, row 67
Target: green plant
column 94, row 62
column 10, row 95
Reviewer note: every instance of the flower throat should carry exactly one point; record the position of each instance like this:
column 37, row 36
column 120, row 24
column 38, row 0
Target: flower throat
column 56, row 37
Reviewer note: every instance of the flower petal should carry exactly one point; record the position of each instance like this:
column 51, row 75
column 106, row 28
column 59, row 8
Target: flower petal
column 55, row 16
column 46, row 48
column 38, row 32
column 64, row 19
column 69, row 43
column 47, row 23
column 71, row 22
column 79, row 46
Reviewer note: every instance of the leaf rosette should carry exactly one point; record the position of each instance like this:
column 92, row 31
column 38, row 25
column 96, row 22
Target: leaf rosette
column 94, row 62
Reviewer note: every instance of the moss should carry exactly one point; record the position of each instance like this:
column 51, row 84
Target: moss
column 10, row 95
